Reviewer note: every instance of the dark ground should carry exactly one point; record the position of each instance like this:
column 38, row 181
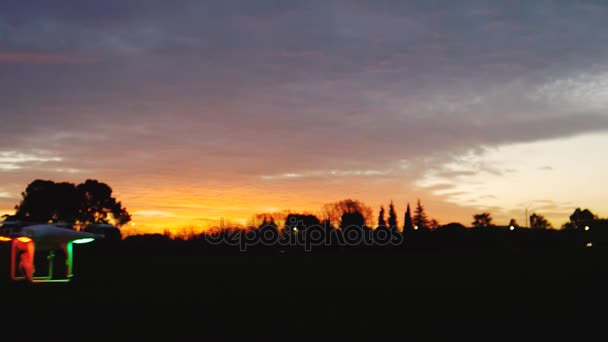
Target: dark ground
column 144, row 291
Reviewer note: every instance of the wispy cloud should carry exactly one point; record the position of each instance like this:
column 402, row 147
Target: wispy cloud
column 7, row 195
column 14, row 160
column 328, row 173
column 68, row 170
column 586, row 90
column 152, row 213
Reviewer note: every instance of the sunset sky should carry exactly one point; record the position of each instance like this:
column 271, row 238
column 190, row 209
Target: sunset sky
column 197, row 110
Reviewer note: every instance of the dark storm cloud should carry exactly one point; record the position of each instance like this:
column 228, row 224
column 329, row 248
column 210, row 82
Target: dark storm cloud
column 258, row 83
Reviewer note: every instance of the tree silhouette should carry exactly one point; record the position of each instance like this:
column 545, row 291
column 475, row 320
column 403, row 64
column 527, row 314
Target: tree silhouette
column 483, row 220
column 269, row 230
column 568, row 226
column 407, row 220
column 352, row 219
column 278, row 217
column 420, row 219
column 537, row 221
column 301, row 221
column 68, row 204
column 90, row 202
column 98, row 203
column 434, row 224
column 39, row 202
column 513, row 223
column 46, row 201
column 392, row 217
column 381, row 220
column 580, row 216
column 335, row 212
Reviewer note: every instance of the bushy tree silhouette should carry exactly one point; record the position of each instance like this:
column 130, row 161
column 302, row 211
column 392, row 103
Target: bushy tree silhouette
column 351, row 210
column 40, row 202
column 89, row 202
column 483, row 220
column 269, row 230
column 98, row 203
column 352, row 219
column 580, row 216
column 301, row 221
column 68, row 204
column 538, row 221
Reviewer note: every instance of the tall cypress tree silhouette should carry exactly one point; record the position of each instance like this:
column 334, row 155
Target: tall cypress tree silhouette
column 407, row 220
column 381, row 220
column 421, row 221
column 392, row 217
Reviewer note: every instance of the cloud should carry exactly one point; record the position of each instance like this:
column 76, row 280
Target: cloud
column 7, row 195
column 18, row 157
column 68, row 170
column 315, row 93
column 586, row 90
column 328, row 173
column 9, row 167
column 14, row 160
column 531, row 186
column 152, row 213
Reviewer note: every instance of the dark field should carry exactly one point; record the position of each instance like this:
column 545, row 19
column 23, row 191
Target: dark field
column 142, row 290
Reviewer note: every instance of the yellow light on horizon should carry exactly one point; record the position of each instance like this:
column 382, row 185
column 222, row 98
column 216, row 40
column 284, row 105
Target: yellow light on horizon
column 586, row 227
column 512, row 228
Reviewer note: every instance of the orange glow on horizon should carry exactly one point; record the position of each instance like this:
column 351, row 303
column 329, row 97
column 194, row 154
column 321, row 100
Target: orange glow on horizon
column 177, row 209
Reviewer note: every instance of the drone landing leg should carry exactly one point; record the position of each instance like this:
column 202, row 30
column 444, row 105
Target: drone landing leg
column 69, row 259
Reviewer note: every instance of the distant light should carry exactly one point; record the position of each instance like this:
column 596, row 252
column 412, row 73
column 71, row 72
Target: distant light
column 512, row 228
column 84, row 240
column 589, row 244
column 4, row 239
column 24, row 239
column 415, row 227
column 586, row 227
column 295, row 229
column 132, row 224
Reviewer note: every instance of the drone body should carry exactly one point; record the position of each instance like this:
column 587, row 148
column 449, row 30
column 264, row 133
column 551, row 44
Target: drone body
column 37, row 251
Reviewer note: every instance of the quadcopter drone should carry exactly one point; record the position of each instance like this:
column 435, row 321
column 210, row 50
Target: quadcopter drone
column 42, row 253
